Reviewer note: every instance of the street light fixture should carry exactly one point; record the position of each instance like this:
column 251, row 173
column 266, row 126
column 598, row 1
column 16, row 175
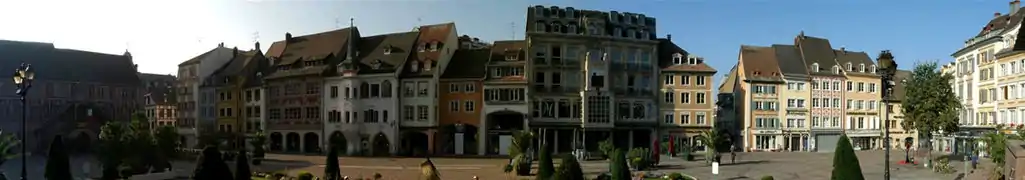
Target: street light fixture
column 23, row 77
column 886, row 69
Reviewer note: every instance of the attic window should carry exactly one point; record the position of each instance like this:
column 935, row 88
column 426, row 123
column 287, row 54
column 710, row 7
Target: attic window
column 850, row 67
column 421, row 47
column 692, row 60
column 511, row 57
column 387, row 50
column 434, row 46
column 414, row 66
column 376, row 64
column 775, row 73
column 428, row 65
column 836, row 69
column 862, row 67
column 815, row 67
column 756, row 73
column 677, row 59
column 872, row 68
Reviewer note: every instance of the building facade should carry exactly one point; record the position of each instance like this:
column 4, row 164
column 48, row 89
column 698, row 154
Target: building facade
column 461, row 97
column 796, row 127
column 191, row 74
column 159, row 99
column 759, row 93
column 863, row 122
column 435, row 46
column 827, row 105
column 686, row 106
column 505, row 97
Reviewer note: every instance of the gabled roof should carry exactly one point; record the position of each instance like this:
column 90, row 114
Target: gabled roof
column 398, row 45
column 667, row 50
column 55, row 64
column 200, row 57
column 729, row 82
column 472, row 63
column 276, row 49
column 232, row 69
column 149, row 77
column 816, row 50
column 162, row 95
column 501, row 49
column 328, row 47
column 856, row 59
column 760, row 64
column 1003, row 23
column 790, row 61
column 255, row 69
column 429, row 34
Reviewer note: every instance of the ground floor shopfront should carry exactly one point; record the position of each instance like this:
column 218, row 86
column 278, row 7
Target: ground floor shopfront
column 673, row 139
column 780, row 140
column 567, row 138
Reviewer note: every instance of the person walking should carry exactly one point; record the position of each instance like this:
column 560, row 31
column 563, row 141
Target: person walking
column 733, row 154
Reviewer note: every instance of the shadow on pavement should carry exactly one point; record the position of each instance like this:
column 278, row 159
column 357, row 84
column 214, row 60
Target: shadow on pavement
column 745, row 162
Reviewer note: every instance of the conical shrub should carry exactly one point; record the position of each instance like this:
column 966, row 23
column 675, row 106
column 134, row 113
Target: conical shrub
column 332, row 171
column 242, row 171
column 845, row 162
column 569, row 169
column 545, row 168
column 58, row 164
column 428, row 171
column 211, row 166
column 618, row 167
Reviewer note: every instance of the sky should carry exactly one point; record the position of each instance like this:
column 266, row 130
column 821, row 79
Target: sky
column 162, row 34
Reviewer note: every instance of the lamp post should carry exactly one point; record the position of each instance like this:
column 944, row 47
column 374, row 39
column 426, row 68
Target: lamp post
column 886, row 69
column 23, row 77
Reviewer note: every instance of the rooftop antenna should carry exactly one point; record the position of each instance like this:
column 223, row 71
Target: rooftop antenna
column 512, row 27
column 256, row 36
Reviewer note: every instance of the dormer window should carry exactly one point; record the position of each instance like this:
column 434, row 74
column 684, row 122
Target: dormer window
column 428, row 65
column 414, row 66
column 872, row 68
column 862, row 67
column 757, row 73
column 422, row 47
column 434, row 46
column 570, row 13
column 815, row 67
column 376, row 64
column 692, row 60
column 836, row 69
column 850, row 67
column 556, row 27
column 572, row 29
column 539, row 26
column 511, row 57
column 677, row 59
column 387, row 50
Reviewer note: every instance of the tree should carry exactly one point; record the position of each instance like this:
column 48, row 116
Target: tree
column 332, row 171
column 211, row 166
column 545, row 168
column 845, row 162
column 7, row 144
column 569, row 169
column 166, row 141
column 112, row 136
column 929, row 104
column 711, row 140
column 242, row 171
column 258, row 142
column 519, row 151
column 58, row 164
column 141, row 151
column 428, row 171
column 618, row 167
column 996, row 146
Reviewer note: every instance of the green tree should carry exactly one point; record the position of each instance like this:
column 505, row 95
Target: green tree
column 711, row 140
column 569, row 169
column 112, row 138
column 332, row 171
column 242, row 171
column 929, row 104
column 520, row 161
column 211, row 166
column 618, row 167
column 8, row 142
column 845, row 162
column 58, row 164
column 166, row 141
column 996, row 145
column 258, row 142
column 141, row 151
column 545, row 168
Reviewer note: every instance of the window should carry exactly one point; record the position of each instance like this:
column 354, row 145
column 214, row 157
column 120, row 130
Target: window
column 468, row 106
column 685, row 98
column 815, row 67
column 701, row 117
column 685, row 118
column 334, row 92
column 668, row 118
column 408, row 88
column 375, row 90
column 836, row 85
column 407, row 112
column 677, row 59
column 701, row 98
column 861, row 87
column 469, row 87
column 453, row 88
column 421, row 113
column 872, row 87
column 386, row 89
column 453, row 105
column 422, row 89
column 685, row 80
column 701, row 80
column 669, row 97
column 669, row 79
column 850, row 86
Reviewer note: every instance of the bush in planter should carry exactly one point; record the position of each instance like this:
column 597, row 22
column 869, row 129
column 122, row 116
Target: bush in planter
column 331, row 170
column 845, row 162
column 607, row 148
column 675, row 176
column 640, row 158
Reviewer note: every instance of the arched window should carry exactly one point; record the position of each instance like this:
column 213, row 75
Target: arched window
column 364, row 90
column 386, row 89
column 872, row 68
column 862, row 67
column 836, row 69
column 815, row 67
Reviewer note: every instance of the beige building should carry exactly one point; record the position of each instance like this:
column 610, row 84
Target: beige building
column 686, row 107
column 892, row 107
column 796, row 127
column 758, row 98
column 862, row 95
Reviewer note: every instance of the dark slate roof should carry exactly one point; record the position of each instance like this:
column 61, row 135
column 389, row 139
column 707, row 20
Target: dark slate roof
column 254, row 71
column 817, row 50
column 856, row 59
column 790, row 61
column 760, row 64
column 327, row 46
column 509, row 47
column 666, row 49
column 730, row 81
column 162, row 95
column 1003, row 22
column 436, row 33
column 69, row 65
column 200, row 57
column 400, row 45
column 232, row 69
column 148, row 77
column 469, row 63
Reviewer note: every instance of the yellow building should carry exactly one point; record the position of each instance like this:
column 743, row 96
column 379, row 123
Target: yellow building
column 892, row 107
column 229, row 82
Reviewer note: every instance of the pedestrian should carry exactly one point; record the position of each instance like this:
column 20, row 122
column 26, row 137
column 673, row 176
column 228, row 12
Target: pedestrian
column 733, row 154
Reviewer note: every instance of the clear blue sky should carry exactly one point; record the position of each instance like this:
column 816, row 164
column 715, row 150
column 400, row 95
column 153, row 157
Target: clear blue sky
column 161, row 34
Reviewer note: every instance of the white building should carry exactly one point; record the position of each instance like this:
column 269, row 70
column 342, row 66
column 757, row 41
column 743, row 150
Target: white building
column 434, row 48
column 191, row 74
column 977, row 73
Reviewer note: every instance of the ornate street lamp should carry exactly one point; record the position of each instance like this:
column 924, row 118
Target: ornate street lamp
column 23, row 77
column 886, row 69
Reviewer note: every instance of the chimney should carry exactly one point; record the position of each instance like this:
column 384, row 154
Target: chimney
column 996, row 14
column 234, row 50
column 257, row 46
column 288, row 37
column 221, row 44
column 1015, row 5
column 669, row 37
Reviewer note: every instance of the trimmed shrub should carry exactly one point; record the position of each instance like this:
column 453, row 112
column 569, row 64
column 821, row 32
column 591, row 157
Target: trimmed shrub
column 332, row 171
column 211, row 166
column 618, row 167
column 845, row 162
column 569, row 169
column 545, row 168
column 58, row 165
column 242, row 171
column 675, row 176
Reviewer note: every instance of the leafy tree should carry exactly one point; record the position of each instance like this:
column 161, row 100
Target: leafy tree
column 569, row 169
column 211, row 166
column 332, row 171
column 7, row 144
column 711, row 140
column 618, row 167
column 929, row 104
column 167, row 140
column 845, row 162
column 519, row 151
column 141, row 151
column 996, row 145
column 607, row 147
column 58, row 164
column 258, row 143
column 112, row 136
column 545, row 168
column 242, row 171
column 428, row 171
